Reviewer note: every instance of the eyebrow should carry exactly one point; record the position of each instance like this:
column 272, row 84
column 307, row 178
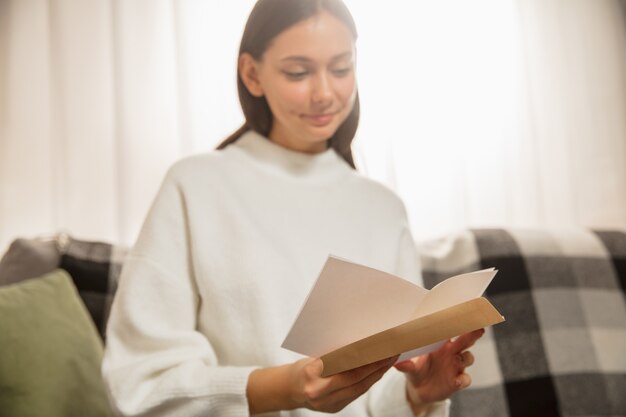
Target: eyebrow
column 304, row 59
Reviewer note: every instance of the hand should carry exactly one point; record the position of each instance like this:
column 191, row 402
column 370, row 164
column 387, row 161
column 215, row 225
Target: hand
column 437, row 375
column 300, row 385
column 333, row 393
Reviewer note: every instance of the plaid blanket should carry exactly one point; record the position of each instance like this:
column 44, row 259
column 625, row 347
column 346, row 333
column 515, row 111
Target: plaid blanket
column 562, row 350
column 94, row 268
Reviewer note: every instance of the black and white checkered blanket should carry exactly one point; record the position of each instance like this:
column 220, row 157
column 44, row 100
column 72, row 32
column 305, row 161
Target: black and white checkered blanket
column 562, row 350
column 94, row 267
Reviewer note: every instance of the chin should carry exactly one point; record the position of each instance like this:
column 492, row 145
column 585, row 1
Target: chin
column 321, row 134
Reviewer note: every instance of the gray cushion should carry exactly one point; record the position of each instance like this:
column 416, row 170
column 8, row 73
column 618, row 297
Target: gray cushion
column 28, row 258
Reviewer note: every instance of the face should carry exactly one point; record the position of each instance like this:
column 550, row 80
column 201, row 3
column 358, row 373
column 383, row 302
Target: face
column 307, row 77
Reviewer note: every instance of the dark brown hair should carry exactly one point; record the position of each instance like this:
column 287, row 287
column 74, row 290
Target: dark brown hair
column 267, row 20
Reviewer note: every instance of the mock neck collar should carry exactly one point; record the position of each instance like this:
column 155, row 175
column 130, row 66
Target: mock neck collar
column 324, row 166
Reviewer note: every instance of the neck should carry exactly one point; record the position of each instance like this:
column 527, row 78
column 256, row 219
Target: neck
column 297, row 144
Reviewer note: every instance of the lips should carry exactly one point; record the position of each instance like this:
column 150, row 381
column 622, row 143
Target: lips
column 320, row 119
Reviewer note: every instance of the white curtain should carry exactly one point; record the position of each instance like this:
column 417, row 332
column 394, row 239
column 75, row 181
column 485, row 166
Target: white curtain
column 481, row 113
column 500, row 112
column 98, row 98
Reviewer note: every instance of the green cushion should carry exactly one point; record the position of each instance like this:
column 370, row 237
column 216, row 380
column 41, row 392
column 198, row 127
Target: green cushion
column 50, row 352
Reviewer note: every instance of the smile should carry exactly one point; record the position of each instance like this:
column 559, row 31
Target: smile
column 320, row 119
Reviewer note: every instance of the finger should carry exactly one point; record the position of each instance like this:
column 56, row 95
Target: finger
column 467, row 340
column 406, row 366
column 346, row 395
column 315, row 366
column 463, row 381
column 348, row 378
column 467, row 358
column 415, row 368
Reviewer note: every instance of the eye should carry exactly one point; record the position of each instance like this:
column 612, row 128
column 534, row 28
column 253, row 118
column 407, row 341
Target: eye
column 295, row 75
column 341, row 72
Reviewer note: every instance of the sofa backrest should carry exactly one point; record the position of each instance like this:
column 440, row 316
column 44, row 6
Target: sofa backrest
column 93, row 266
column 562, row 350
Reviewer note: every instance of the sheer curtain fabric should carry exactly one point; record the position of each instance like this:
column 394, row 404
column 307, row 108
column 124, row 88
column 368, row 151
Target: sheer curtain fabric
column 482, row 113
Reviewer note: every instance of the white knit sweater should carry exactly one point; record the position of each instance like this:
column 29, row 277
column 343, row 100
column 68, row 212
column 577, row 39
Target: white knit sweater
column 229, row 250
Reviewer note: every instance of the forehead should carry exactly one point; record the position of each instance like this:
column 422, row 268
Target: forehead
column 319, row 37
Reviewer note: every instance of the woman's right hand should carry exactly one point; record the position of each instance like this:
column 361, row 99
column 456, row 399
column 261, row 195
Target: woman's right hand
column 300, row 385
column 333, row 393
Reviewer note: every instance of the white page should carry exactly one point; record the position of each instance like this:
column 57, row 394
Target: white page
column 349, row 302
column 455, row 290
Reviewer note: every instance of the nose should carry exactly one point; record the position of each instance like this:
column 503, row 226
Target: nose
column 322, row 93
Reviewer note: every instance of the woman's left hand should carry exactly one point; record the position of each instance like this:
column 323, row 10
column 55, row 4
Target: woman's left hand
column 437, row 375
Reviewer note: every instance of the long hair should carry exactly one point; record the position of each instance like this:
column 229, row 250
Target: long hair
column 267, row 20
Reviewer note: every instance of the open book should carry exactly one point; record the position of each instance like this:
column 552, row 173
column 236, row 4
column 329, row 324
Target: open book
column 355, row 315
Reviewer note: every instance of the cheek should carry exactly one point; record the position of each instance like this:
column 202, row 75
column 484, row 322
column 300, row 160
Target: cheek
column 346, row 89
column 345, row 93
column 291, row 96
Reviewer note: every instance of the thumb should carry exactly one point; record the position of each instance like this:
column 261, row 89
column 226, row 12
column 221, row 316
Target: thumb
column 405, row 366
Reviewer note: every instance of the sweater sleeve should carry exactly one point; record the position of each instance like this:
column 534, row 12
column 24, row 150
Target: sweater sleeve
column 156, row 362
column 387, row 398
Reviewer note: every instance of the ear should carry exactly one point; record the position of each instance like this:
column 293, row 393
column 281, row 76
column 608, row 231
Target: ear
column 248, row 71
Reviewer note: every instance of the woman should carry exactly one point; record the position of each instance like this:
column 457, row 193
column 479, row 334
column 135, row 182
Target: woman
column 235, row 240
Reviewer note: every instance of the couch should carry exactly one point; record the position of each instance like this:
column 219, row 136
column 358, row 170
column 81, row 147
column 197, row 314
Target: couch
column 55, row 294
column 561, row 352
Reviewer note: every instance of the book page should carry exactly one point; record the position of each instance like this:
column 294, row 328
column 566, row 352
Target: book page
column 454, row 290
column 349, row 302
